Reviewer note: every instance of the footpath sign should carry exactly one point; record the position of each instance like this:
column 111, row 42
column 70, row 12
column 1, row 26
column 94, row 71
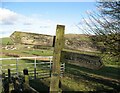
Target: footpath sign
column 61, row 55
column 83, row 60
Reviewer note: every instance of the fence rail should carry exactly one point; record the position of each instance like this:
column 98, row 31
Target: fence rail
column 46, row 57
column 39, row 66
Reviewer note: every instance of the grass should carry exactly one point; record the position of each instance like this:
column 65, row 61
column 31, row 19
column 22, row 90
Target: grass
column 105, row 71
column 29, row 52
column 40, row 52
column 12, row 53
column 75, row 78
column 82, row 79
column 6, row 41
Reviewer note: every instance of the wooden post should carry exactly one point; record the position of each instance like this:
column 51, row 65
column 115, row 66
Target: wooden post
column 9, row 75
column 27, row 87
column 59, row 45
column 35, row 68
column 26, row 77
column 54, row 41
column 11, row 87
column 50, row 66
column 5, row 84
column 17, row 66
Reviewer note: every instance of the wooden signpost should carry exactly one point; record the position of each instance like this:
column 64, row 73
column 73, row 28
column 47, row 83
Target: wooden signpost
column 59, row 45
column 83, row 60
column 60, row 55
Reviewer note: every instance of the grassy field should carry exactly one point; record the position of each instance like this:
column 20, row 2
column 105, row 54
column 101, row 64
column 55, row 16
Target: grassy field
column 95, row 79
column 6, row 41
column 29, row 52
column 75, row 78
column 82, row 79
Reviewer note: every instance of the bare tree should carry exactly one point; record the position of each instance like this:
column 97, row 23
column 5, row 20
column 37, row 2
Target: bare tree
column 106, row 27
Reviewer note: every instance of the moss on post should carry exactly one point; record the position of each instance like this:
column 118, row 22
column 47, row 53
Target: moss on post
column 59, row 45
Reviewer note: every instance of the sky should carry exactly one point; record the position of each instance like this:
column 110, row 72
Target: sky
column 42, row 17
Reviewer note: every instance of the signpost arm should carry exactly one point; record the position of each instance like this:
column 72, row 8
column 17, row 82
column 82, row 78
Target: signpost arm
column 59, row 45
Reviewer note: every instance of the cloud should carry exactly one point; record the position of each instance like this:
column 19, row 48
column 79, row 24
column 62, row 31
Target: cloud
column 7, row 17
column 11, row 21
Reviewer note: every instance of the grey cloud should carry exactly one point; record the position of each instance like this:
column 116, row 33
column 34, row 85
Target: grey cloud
column 44, row 26
column 27, row 23
column 9, row 21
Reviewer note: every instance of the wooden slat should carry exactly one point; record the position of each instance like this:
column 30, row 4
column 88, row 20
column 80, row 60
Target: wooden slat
column 84, row 60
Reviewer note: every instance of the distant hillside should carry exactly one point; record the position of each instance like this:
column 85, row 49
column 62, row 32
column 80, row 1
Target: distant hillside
column 6, row 41
column 72, row 41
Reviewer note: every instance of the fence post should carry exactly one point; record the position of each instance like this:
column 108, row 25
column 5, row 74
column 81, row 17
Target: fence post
column 26, row 77
column 17, row 66
column 50, row 66
column 59, row 44
column 9, row 75
column 11, row 86
column 3, row 81
column 35, row 68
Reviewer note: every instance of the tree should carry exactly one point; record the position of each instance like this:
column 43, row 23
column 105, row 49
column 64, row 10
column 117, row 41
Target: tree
column 106, row 27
